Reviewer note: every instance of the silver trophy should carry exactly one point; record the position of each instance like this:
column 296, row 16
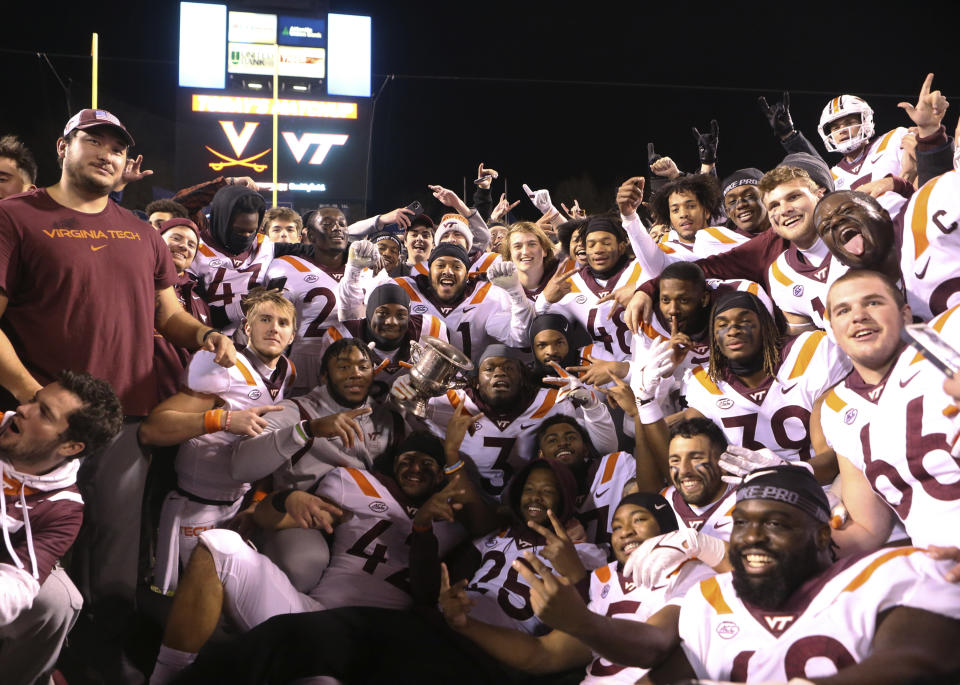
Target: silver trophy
column 435, row 368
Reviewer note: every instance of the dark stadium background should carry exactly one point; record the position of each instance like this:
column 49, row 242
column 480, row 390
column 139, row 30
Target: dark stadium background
column 557, row 95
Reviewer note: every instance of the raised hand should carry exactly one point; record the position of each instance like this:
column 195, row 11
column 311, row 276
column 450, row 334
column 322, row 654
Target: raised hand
column 621, row 395
column 571, row 388
column 540, row 199
column 363, row 254
column 778, row 116
column 553, row 598
column 739, row 461
column 559, row 550
column 630, row 195
column 661, row 166
column 652, row 155
column 401, row 216
column 132, row 172
column 443, row 505
column 929, row 110
column 639, row 311
column 250, row 422
column 503, row 208
column 485, row 176
column 660, row 364
column 655, row 561
column 559, row 284
column 707, row 143
column 459, row 425
column 449, row 198
column 454, row 603
column 574, row 212
column 599, row 372
column 341, row 425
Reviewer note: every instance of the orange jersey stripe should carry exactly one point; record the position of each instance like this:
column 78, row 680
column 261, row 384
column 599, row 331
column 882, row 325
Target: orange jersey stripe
column 453, row 398
column 295, row 263
column 806, row 353
column 711, row 592
column 611, row 467
column 918, row 222
column 206, row 251
column 487, row 261
column 409, row 288
column 365, row 487
column 334, row 333
column 937, row 324
column 720, row 235
column 480, row 294
column 834, row 401
column 885, row 141
column 779, row 275
column 865, row 574
column 635, row 274
column 245, row 372
column 701, row 375
column 603, row 574
column 434, row 326
column 546, row 406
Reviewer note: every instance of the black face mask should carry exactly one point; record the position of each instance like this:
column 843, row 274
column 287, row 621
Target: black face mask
column 238, row 244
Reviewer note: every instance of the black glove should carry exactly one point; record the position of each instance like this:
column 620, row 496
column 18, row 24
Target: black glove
column 707, row 143
column 778, row 116
column 652, row 155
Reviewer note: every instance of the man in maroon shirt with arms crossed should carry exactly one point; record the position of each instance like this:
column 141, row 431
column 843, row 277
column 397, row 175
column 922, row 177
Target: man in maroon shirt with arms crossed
column 83, row 284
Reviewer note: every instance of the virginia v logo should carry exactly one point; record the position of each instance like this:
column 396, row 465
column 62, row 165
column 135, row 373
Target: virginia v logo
column 238, row 141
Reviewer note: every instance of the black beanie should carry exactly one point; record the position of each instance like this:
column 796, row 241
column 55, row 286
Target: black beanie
column 449, row 250
column 386, row 293
column 741, row 177
column 658, row 507
column 740, row 299
column 549, row 322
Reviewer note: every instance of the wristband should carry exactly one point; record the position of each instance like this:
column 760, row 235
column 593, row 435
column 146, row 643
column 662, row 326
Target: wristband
column 213, row 420
column 226, row 426
column 453, row 468
column 259, row 496
column 650, row 412
column 203, row 340
column 423, row 529
column 279, row 500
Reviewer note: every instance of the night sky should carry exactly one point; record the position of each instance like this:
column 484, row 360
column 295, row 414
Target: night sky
column 549, row 94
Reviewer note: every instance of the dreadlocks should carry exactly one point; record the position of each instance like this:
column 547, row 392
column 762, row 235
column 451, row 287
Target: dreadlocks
column 769, row 335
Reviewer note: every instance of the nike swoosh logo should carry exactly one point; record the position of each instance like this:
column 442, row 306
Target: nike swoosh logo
column 601, row 493
column 924, row 271
column 99, row 247
column 876, row 159
column 903, row 384
column 468, row 309
column 658, row 507
column 658, row 587
column 720, row 524
column 787, row 389
column 525, row 426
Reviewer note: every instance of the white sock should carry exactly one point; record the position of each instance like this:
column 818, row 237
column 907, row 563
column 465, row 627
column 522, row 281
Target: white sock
column 170, row 662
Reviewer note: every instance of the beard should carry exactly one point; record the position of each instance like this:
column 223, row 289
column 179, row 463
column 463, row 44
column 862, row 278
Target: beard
column 772, row 590
column 86, row 181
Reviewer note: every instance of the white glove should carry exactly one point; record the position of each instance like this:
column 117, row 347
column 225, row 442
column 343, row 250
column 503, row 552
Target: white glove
column 363, row 254
column 653, row 563
column 740, row 461
column 402, row 390
column 504, row 275
column 793, row 681
column 540, row 199
column 660, row 364
column 573, row 389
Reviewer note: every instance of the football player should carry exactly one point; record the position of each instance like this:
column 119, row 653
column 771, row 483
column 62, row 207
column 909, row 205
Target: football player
column 527, row 246
column 889, row 420
column 455, row 228
column 508, row 409
column 746, row 214
column 891, row 616
column 215, row 408
column 688, row 205
column 371, row 549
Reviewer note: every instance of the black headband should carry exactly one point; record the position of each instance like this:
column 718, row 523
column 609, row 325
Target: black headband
column 739, row 300
column 549, row 322
column 449, row 250
column 792, row 485
column 741, row 177
column 387, row 293
column 658, row 507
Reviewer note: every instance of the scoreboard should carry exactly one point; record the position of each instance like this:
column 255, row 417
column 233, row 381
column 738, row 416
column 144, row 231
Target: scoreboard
column 225, row 102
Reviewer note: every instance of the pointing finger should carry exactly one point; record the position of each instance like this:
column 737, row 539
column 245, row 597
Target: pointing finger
column 786, row 99
column 557, row 526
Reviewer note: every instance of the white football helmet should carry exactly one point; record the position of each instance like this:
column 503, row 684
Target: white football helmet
column 838, row 108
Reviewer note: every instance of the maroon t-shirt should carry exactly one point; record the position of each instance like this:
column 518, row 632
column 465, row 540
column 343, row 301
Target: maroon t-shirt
column 81, row 291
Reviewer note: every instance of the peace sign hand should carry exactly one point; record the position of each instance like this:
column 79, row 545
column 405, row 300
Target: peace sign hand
column 559, row 284
column 559, row 549
column 454, row 603
column 554, row 598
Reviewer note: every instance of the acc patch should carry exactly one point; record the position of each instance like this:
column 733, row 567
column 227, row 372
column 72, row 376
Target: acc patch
column 378, row 507
column 581, row 299
column 605, row 591
column 254, row 394
column 798, row 290
column 850, row 416
column 724, row 403
column 420, row 309
column 727, row 630
column 311, row 278
column 216, row 262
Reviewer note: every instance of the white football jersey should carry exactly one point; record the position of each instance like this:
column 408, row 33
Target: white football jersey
column 882, row 158
column 370, row 557
column 203, row 462
column 580, row 305
column 828, row 626
column 676, row 249
column 501, row 445
column 800, row 279
column 776, row 414
column 226, row 280
column 483, row 317
column 713, row 519
column 596, row 509
column 904, row 451
column 716, row 239
column 484, row 261
column 500, row 594
column 930, row 258
column 313, row 292
column 614, row 596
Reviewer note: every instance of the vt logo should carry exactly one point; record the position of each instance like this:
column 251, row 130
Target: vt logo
column 238, row 141
column 323, row 141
